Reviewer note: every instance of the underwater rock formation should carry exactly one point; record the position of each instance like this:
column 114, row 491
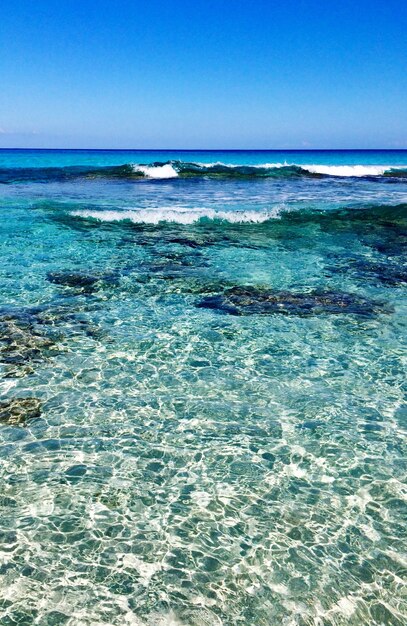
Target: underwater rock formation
column 390, row 274
column 20, row 338
column 83, row 282
column 260, row 301
column 384, row 273
column 78, row 280
column 30, row 335
column 17, row 411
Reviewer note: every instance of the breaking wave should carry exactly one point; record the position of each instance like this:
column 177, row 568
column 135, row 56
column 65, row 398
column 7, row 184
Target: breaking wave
column 166, row 170
column 179, row 216
column 182, row 169
column 355, row 170
column 373, row 213
column 267, row 170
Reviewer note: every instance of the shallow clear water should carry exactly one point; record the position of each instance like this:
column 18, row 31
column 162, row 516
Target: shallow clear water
column 202, row 398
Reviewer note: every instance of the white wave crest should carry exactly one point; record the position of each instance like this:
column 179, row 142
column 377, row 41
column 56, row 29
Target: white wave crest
column 273, row 166
column 179, row 216
column 258, row 165
column 348, row 170
column 157, row 171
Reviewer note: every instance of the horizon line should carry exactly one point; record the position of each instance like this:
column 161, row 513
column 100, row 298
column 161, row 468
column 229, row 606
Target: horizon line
column 214, row 149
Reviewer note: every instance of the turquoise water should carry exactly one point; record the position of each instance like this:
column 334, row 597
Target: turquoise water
column 202, row 400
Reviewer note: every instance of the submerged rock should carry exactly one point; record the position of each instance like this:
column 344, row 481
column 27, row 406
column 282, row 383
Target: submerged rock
column 172, row 267
column 21, row 340
column 85, row 283
column 188, row 242
column 387, row 273
column 78, row 280
column 32, row 334
column 17, row 411
column 259, row 301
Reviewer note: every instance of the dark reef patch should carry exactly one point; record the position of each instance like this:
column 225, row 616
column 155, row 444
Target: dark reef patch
column 184, row 241
column 192, row 236
column 21, row 338
column 382, row 228
column 18, row 411
column 387, row 273
column 84, row 282
column 261, row 301
column 196, row 237
column 32, row 334
column 78, row 280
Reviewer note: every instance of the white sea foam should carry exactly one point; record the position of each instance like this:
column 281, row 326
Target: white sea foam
column 274, row 165
column 346, row 606
column 259, row 165
column 157, row 171
column 214, row 163
column 348, row 170
column 179, row 216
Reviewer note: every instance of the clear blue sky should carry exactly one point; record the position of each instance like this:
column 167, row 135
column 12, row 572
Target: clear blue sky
column 203, row 73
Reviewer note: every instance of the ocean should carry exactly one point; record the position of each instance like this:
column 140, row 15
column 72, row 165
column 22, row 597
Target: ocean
column 202, row 388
